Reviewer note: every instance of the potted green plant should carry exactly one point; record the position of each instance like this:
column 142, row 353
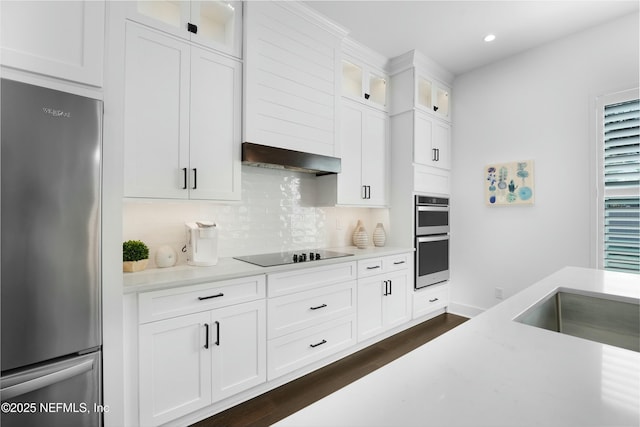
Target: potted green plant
column 135, row 256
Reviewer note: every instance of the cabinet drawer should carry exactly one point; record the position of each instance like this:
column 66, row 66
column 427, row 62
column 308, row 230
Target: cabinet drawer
column 168, row 303
column 397, row 262
column 370, row 267
column 373, row 266
column 293, row 351
column 428, row 300
column 290, row 313
column 309, row 278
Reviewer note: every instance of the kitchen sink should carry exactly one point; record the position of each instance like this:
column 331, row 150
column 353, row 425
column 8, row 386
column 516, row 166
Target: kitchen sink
column 597, row 317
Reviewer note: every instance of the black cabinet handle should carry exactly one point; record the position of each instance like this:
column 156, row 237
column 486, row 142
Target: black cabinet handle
column 386, row 287
column 318, row 307
column 316, row 345
column 192, row 28
column 206, row 331
column 373, row 268
column 398, row 262
column 433, row 300
column 435, row 108
column 211, row 296
column 217, row 333
column 184, row 178
column 390, row 287
column 366, row 96
column 195, row 178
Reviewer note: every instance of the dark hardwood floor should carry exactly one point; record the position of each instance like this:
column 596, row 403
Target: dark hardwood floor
column 291, row 397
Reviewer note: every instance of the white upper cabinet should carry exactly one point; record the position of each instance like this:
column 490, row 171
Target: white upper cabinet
column 363, row 76
column 292, row 76
column 364, row 136
column 421, row 84
column 433, row 97
column 182, row 119
column 432, row 140
column 213, row 23
column 68, row 43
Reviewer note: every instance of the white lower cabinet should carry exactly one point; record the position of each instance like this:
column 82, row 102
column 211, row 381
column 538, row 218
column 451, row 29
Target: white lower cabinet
column 175, row 368
column 307, row 324
column 430, row 299
column 382, row 303
column 194, row 360
column 198, row 345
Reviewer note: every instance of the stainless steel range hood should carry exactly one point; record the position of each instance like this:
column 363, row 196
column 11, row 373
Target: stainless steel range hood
column 281, row 158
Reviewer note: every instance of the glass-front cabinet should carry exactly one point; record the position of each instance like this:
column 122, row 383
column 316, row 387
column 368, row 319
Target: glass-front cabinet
column 212, row 23
column 364, row 75
column 364, row 84
column 433, row 97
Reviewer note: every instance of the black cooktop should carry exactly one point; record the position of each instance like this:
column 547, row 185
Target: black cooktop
column 292, row 257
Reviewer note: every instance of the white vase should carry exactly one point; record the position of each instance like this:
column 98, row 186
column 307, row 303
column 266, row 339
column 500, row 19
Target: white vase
column 379, row 235
column 361, row 238
column 166, row 256
column 355, row 231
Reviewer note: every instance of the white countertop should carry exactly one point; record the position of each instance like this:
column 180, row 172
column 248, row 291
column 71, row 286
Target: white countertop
column 493, row 371
column 228, row 268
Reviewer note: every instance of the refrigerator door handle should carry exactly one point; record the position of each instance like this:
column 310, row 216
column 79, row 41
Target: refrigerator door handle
column 45, row 380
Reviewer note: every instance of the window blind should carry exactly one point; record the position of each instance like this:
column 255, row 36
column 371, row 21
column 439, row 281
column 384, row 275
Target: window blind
column 622, row 186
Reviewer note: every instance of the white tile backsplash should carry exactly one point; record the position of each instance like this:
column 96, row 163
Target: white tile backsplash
column 276, row 213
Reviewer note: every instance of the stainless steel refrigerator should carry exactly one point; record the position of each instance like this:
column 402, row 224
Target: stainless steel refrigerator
column 50, row 287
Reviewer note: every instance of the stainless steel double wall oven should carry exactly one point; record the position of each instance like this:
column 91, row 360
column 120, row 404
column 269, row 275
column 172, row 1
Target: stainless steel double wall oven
column 431, row 240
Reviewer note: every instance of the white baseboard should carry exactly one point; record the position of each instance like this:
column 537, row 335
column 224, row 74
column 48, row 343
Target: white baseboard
column 464, row 310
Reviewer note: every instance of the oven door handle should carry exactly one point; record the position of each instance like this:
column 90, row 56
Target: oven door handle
column 433, row 208
column 436, row 238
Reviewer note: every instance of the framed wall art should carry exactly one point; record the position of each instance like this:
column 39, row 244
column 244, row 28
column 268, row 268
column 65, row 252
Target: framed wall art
column 508, row 184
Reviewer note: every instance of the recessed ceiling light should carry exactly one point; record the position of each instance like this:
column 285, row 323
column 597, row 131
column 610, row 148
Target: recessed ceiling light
column 489, row 37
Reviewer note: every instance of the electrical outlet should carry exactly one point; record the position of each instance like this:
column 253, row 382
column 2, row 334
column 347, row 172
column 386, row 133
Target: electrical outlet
column 498, row 293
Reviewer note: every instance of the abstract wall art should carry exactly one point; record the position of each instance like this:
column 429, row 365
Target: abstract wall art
column 508, row 184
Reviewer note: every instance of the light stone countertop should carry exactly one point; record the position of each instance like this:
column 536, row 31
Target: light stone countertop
column 228, row 268
column 493, row 371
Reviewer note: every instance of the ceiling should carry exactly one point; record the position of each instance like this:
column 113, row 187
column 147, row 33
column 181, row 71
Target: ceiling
column 451, row 32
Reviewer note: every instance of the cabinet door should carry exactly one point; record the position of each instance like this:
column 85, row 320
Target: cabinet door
column 238, row 346
column 219, row 25
column 350, row 190
column 175, row 368
column 374, row 155
column 396, row 302
column 370, row 307
column 215, row 114
column 156, row 124
column 442, row 143
column 70, row 41
column 431, row 142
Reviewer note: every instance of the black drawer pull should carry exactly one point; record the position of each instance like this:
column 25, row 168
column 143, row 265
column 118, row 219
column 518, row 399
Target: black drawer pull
column 206, row 331
column 398, row 262
column 318, row 307
column 217, row 333
column 211, row 296
column 316, row 345
column 373, row 268
column 433, row 300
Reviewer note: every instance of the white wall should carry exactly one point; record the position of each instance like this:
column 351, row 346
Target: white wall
column 276, row 213
column 536, row 105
